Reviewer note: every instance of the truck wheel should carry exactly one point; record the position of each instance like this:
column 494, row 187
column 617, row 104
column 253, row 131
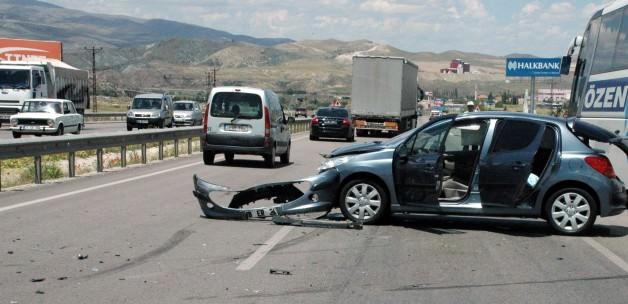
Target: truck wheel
column 17, row 135
column 208, row 157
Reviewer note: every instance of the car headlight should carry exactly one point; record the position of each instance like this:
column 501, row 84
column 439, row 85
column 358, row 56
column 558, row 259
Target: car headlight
column 155, row 115
column 14, row 122
column 51, row 123
column 129, row 114
column 333, row 162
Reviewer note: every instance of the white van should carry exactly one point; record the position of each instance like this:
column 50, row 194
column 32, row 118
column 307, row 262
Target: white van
column 242, row 120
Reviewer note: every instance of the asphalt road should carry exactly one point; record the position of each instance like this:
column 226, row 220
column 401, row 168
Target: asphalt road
column 90, row 128
column 146, row 242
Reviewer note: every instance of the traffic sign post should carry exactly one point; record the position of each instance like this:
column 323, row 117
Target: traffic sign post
column 533, row 67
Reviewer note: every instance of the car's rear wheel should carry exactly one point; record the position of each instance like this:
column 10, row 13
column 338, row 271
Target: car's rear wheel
column 208, row 157
column 571, row 211
column 285, row 158
column 364, row 200
column 270, row 159
column 312, row 137
column 229, row 157
column 17, row 135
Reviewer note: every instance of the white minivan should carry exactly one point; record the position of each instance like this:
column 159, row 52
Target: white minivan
column 242, row 120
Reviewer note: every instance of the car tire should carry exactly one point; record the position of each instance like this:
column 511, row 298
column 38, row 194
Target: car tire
column 162, row 124
column 60, row 130
column 285, row 158
column 571, row 211
column 229, row 157
column 364, row 197
column 171, row 123
column 129, row 128
column 312, row 137
column 270, row 159
column 78, row 130
column 360, row 132
column 17, row 135
column 208, row 157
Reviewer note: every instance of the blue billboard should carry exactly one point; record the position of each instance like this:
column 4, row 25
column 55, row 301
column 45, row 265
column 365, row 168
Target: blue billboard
column 606, row 96
column 529, row 67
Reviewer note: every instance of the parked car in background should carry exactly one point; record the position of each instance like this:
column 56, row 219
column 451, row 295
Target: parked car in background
column 148, row 110
column 242, row 120
column 300, row 112
column 46, row 116
column 332, row 122
column 435, row 114
column 483, row 164
column 187, row 113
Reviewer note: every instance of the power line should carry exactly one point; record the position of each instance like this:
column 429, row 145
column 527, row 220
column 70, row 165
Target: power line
column 94, row 50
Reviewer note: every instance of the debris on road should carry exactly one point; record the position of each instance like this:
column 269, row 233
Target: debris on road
column 280, row 272
column 10, row 252
column 39, row 292
column 283, row 220
column 38, row 280
column 62, row 278
column 82, row 257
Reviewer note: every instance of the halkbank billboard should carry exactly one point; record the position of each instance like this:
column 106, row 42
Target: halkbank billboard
column 533, row 67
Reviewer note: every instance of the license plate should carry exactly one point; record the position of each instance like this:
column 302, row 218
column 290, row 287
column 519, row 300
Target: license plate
column 5, row 116
column 236, row 128
column 331, row 122
column 31, row 127
column 142, row 121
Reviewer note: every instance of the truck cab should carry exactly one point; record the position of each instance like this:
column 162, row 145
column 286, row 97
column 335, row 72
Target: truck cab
column 19, row 82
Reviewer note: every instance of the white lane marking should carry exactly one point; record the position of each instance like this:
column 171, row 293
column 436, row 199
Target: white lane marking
column 264, row 249
column 42, row 200
column 607, row 253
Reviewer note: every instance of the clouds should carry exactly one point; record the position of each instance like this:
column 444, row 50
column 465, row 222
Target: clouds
column 499, row 27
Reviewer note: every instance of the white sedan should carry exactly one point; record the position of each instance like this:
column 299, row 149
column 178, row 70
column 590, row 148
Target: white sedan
column 46, row 116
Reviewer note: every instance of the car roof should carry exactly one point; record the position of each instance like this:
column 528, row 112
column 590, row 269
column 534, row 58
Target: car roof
column 238, row 89
column 152, row 95
column 500, row 114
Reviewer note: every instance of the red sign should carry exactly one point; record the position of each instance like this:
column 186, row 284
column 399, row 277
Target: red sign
column 25, row 50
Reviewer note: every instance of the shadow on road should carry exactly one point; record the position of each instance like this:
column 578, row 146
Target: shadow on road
column 250, row 163
column 442, row 225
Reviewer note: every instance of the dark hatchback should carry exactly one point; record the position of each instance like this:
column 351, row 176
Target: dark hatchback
column 332, row 122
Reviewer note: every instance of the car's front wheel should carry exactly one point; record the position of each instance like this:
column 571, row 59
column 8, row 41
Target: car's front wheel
column 17, row 135
column 364, row 200
column 571, row 211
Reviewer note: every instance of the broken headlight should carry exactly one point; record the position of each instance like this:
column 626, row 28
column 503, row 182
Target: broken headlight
column 333, row 162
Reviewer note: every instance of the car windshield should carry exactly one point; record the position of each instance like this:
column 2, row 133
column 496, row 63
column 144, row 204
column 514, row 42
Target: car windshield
column 14, row 79
column 332, row 112
column 146, row 103
column 183, row 106
column 37, row 106
column 240, row 105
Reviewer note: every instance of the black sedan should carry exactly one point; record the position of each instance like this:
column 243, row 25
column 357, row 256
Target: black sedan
column 332, row 122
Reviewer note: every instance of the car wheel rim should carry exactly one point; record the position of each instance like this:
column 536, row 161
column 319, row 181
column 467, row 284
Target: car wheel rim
column 363, row 201
column 570, row 211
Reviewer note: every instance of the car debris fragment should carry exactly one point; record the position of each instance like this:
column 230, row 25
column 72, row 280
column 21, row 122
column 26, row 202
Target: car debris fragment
column 280, row 272
column 82, row 256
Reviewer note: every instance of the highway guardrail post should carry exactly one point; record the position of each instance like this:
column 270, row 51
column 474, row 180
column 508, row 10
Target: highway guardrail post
column 190, row 145
column 99, row 162
column 161, row 150
column 176, row 147
column 37, row 164
column 144, row 156
column 123, row 156
column 71, row 164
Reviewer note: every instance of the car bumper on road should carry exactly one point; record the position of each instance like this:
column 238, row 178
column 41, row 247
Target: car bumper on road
column 288, row 199
column 34, row 129
column 341, row 132
column 236, row 143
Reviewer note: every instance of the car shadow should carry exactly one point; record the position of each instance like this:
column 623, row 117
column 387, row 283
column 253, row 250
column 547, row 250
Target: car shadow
column 250, row 163
column 441, row 225
column 331, row 139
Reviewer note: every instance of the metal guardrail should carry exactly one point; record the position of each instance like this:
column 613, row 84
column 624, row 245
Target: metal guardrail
column 37, row 147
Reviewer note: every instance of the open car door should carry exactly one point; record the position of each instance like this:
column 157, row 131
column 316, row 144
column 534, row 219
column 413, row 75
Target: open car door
column 418, row 166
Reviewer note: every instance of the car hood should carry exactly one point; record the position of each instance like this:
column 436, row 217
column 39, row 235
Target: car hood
column 356, row 149
column 36, row 115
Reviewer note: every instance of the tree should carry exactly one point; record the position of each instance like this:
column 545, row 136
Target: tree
column 490, row 96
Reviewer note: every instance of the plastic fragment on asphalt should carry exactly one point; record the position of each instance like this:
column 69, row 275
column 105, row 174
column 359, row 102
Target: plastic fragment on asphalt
column 38, row 280
column 82, row 257
column 280, row 272
column 281, row 220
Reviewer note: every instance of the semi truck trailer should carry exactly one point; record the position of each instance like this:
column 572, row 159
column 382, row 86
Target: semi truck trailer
column 383, row 95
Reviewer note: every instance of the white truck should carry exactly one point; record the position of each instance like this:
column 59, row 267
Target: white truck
column 22, row 80
column 383, row 94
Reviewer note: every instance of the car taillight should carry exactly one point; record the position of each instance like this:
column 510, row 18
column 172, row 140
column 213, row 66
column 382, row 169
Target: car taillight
column 315, row 121
column 206, row 118
column 601, row 164
column 266, row 127
column 346, row 122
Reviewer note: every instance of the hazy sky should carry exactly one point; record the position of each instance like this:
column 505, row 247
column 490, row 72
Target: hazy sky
column 498, row 27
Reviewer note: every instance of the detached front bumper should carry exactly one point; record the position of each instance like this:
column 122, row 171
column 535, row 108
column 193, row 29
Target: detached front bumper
column 288, row 199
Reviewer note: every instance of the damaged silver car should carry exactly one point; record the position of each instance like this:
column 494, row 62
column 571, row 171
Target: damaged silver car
column 482, row 164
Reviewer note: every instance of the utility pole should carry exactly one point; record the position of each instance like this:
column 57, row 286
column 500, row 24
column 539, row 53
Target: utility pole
column 94, row 50
column 214, row 78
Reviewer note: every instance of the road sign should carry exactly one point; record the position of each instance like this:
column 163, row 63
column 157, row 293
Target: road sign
column 533, row 67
